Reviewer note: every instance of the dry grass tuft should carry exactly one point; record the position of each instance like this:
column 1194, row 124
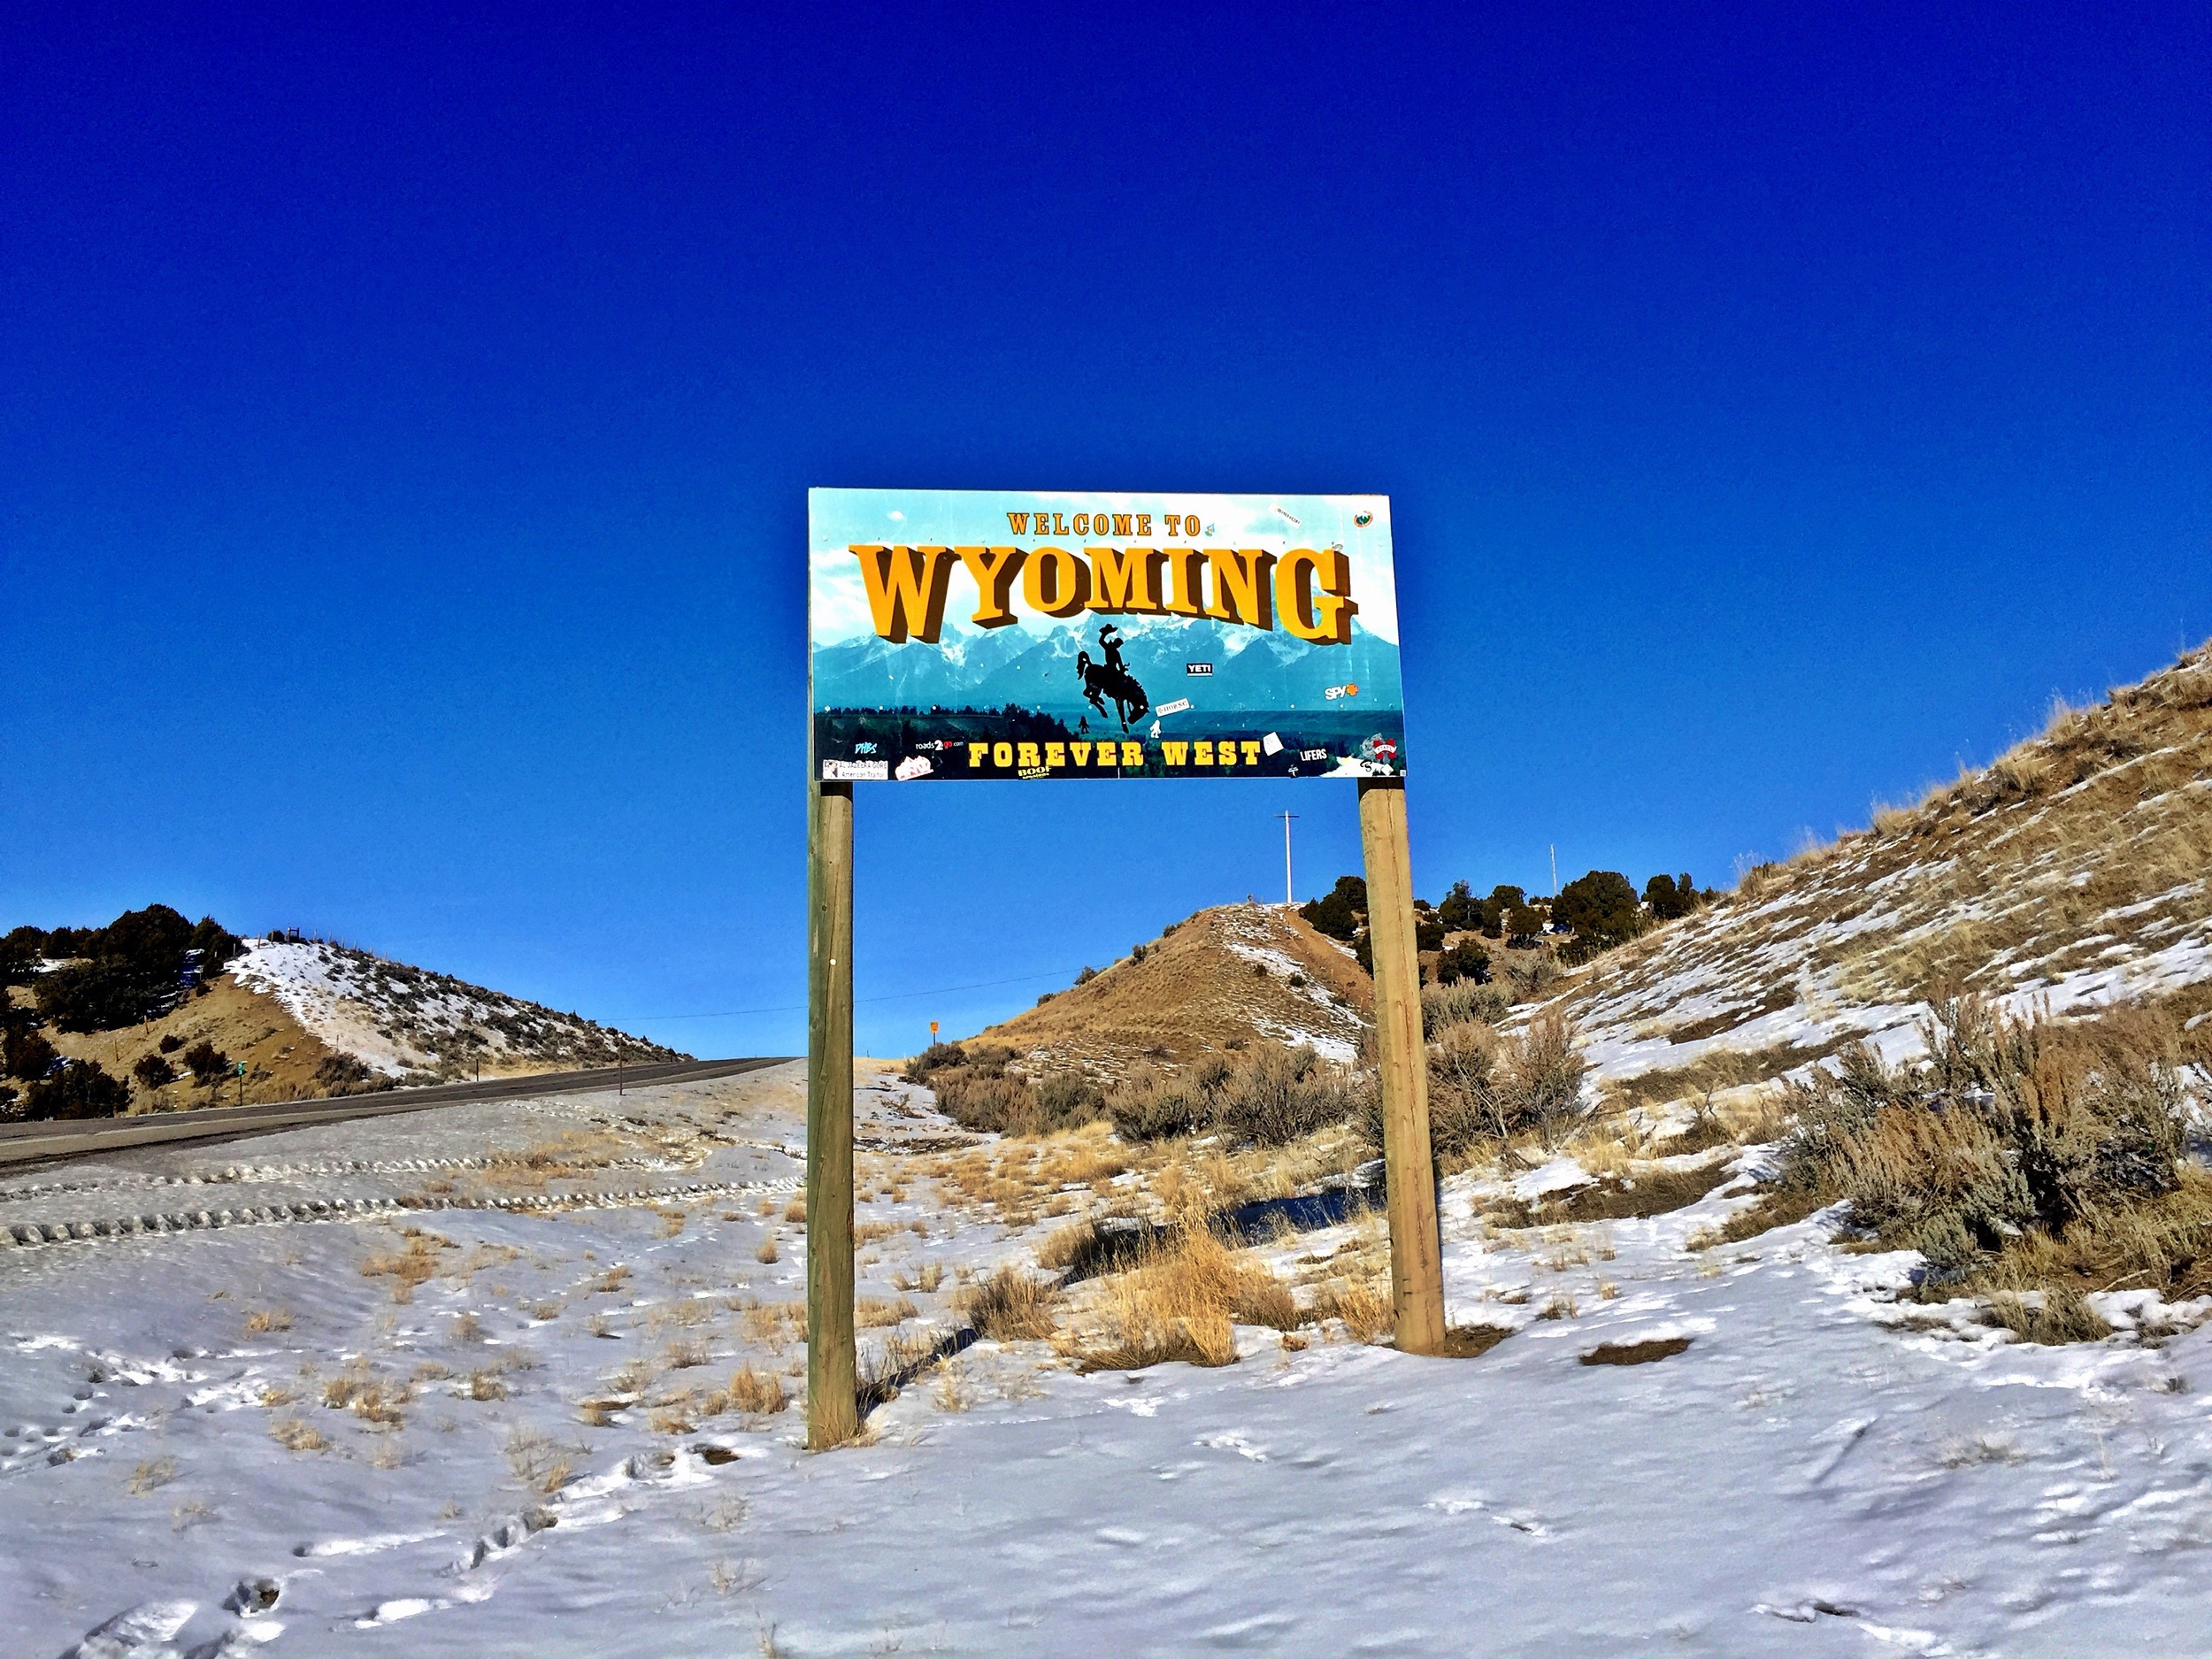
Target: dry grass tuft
column 296, row 1435
column 150, row 1476
column 2052, row 1317
column 925, row 1279
column 1009, row 1306
column 1181, row 1302
column 953, row 1391
column 538, row 1461
column 767, row 1252
column 1365, row 1307
column 871, row 1312
column 1063, row 1247
column 412, row 1264
column 266, row 1320
column 686, row 1354
column 774, row 1324
column 755, row 1393
column 371, row 1399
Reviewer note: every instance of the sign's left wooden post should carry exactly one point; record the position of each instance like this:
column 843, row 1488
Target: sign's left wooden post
column 833, row 1414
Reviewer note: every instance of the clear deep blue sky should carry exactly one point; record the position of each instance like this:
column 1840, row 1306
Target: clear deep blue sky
column 405, row 426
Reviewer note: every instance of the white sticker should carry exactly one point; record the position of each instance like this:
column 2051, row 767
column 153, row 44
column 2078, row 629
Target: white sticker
column 1176, row 707
column 1270, row 744
column 913, row 766
column 856, row 771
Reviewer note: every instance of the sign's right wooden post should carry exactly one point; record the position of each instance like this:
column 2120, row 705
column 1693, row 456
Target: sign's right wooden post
column 1417, row 1271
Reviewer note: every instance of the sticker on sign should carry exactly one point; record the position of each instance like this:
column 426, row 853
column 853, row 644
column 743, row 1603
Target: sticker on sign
column 1176, row 707
column 856, row 771
column 1198, row 668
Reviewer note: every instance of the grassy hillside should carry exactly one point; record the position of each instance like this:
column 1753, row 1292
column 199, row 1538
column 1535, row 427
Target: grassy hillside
column 1219, row 982
column 2074, row 872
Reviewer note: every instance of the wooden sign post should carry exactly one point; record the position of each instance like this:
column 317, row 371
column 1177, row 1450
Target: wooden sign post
column 832, row 1404
column 1417, row 1272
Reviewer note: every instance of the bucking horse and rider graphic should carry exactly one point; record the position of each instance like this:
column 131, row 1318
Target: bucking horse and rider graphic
column 1110, row 680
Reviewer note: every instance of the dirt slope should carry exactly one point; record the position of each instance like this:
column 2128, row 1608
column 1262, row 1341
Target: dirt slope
column 1221, row 979
column 281, row 1056
column 2075, row 870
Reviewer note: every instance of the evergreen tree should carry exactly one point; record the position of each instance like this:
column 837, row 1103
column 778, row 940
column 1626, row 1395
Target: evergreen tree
column 1601, row 909
column 28, row 1054
column 1338, row 912
column 1503, row 901
column 79, row 1089
column 1460, row 911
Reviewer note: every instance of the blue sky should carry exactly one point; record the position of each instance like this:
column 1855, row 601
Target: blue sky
column 405, row 426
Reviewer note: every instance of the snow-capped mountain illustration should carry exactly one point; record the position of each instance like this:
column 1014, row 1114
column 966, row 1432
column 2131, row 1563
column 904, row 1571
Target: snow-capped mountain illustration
column 1240, row 668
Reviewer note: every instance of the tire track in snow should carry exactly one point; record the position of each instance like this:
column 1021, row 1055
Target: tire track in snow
column 33, row 1234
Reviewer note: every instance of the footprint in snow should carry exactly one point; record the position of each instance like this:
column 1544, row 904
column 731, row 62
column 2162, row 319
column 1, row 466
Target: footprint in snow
column 1838, row 1440
column 371, row 1546
column 144, row 1632
column 391, row 1612
column 1233, row 1441
column 1806, row 1611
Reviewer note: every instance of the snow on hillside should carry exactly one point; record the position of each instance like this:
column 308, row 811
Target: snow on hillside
column 507, row 1432
column 2070, row 874
column 399, row 1020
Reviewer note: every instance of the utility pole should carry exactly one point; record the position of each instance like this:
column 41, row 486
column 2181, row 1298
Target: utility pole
column 1289, row 894
column 1554, row 870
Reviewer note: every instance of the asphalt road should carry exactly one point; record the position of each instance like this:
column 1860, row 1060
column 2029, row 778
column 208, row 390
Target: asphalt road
column 33, row 1143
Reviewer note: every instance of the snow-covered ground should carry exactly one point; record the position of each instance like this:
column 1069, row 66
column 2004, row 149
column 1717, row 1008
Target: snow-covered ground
column 1820, row 1471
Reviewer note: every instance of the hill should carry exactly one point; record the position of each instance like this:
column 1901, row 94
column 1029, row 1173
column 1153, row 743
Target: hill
column 2073, row 872
column 399, row 1020
column 171, row 1023
column 1218, row 981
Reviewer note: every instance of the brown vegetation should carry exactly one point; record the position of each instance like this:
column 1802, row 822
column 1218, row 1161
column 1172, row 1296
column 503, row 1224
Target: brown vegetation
column 2028, row 1157
column 1636, row 1353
